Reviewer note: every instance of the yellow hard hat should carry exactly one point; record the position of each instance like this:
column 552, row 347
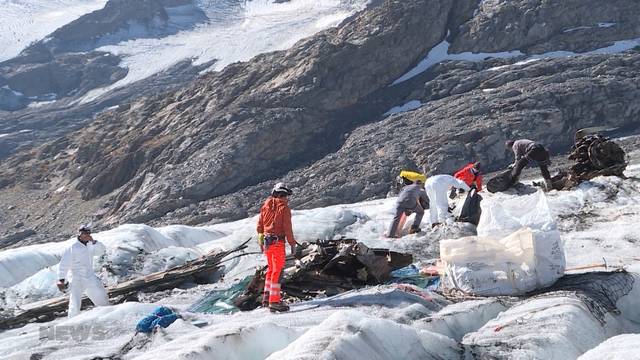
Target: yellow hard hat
column 413, row 176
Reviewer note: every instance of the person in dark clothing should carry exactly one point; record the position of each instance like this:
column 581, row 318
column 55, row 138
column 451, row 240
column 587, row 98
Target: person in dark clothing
column 527, row 152
column 412, row 199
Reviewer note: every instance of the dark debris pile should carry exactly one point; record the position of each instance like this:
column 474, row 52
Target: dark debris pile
column 593, row 155
column 327, row 268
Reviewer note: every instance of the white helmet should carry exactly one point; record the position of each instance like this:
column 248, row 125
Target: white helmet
column 85, row 228
column 281, row 188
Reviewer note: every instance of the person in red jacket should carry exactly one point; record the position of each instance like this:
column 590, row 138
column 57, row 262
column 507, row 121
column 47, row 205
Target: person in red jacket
column 274, row 228
column 471, row 174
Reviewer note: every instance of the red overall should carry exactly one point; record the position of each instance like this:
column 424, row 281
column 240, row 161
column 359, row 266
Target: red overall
column 469, row 175
column 276, row 255
column 275, row 221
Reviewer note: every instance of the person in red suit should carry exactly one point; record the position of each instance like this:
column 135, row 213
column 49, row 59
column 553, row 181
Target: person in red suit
column 274, row 229
column 471, row 175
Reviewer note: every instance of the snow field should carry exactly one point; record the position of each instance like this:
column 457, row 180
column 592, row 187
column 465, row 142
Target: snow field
column 610, row 205
column 459, row 319
column 25, row 21
column 621, row 347
column 352, row 333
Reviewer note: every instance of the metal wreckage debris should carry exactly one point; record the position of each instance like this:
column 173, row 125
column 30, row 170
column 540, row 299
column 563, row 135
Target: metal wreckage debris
column 593, row 155
column 597, row 153
column 326, row 268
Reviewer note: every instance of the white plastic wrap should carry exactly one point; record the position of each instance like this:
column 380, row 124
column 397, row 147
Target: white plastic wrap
column 517, row 250
column 502, row 215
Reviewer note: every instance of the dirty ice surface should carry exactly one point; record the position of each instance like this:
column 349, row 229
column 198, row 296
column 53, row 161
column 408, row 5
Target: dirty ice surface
column 598, row 223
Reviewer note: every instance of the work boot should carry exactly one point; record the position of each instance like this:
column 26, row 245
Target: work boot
column 548, row 185
column 414, row 229
column 265, row 303
column 278, row 307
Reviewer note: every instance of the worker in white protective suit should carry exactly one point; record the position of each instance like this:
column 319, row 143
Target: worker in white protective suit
column 78, row 258
column 437, row 188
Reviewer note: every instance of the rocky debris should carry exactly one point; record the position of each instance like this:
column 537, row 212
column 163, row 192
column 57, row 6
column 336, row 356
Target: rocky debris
column 11, row 100
column 327, row 268
column 53, row 216
column 15, row 237
column 63, row 75
column 539, row 26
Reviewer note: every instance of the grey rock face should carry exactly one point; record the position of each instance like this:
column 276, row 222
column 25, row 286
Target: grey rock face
column 252, row 121
column 62, row 76
column 11, row 100
column 547, row 101
column 538, row 26
column 34, row 126
column 13, row 238
column 544, row 100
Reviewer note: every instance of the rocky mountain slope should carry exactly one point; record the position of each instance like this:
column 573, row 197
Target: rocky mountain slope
column 130, row 49
column 315, row 115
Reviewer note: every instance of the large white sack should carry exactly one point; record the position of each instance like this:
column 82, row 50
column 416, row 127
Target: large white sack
column 518, row 249
column 502, row 215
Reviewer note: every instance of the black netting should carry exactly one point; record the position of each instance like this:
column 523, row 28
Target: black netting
column 600, row 291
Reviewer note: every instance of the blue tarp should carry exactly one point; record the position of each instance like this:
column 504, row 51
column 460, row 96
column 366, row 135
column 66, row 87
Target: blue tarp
column 411, row 275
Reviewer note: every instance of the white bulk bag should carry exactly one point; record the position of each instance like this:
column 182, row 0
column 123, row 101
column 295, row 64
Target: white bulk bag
column 517, row 250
